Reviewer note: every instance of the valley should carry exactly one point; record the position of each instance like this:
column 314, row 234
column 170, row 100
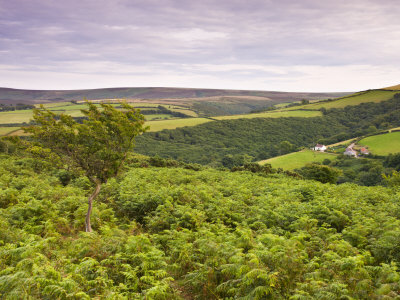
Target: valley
column 207, row 206
column 199, row 150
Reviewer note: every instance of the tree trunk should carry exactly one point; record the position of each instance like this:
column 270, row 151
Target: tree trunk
column 90, row 201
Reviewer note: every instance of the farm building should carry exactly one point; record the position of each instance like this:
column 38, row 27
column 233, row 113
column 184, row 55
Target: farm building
column 350, row 152
column 364, row 151
column 319, row 147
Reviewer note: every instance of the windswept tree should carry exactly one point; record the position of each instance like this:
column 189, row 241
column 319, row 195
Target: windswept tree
column 98, row 147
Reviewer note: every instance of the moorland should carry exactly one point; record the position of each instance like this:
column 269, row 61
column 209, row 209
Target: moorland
column 209, row 205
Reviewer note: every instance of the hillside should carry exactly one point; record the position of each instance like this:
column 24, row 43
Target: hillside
column 349, row 100
column 165, row 229
column 297, row 160
column 220, row 142
column 171, row 233
column 382, row 144
column 8, row 95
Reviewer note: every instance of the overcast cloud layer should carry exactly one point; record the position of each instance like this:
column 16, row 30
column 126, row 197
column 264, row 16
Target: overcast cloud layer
column 287, row 45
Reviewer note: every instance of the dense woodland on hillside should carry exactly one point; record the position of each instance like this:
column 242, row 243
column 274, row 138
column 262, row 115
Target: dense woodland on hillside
column 261, row 138
column 173, row 233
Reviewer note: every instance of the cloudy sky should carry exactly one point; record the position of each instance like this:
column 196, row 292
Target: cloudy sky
column 285, row 45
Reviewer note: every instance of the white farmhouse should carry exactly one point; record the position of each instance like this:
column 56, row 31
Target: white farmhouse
column 319, row 147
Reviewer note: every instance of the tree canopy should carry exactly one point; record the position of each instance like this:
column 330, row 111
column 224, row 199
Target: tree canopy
column 98, row 146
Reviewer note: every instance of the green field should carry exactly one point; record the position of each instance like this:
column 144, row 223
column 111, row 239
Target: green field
column 355, row 99
column 297, row 160
column 7, row 130
column 152, row 117
column 284, row 104
column 274, row 114
column 53, row 104
column 383, row 144
column 66, row 107
column 185, row 111
column 175, row 123
column 19, row 116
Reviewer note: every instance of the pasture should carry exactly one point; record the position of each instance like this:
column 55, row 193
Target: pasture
column 354, row 99
column 18, row 116
column 382, row 144
column 175, row 123
column 7, row 130
column 274, row 114
column 74, row 110
column 297, row 160
column 185, row 111
column 157, row 117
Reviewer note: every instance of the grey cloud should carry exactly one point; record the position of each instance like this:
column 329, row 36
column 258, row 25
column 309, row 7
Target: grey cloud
column 38, row 34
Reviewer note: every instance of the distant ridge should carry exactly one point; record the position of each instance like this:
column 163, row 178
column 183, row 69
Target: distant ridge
column 9, row 95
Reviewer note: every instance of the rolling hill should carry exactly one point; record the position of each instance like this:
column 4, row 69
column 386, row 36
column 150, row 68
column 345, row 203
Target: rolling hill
column 8, row 95
column 349, row 100
column 382, row 144
column 296, row 160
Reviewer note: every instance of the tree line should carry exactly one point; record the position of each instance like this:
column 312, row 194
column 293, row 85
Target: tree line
column 18, row 106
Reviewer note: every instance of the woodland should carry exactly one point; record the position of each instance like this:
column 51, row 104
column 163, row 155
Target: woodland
column 210, row 143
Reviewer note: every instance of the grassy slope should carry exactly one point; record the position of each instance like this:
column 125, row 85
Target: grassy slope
column 22, row 116
column 355, row 99
column 19, row 116
column 383, row 144
column 7, row 130
column 185, row 111
column 175, row 123
column 274, row 114
column 296, row 160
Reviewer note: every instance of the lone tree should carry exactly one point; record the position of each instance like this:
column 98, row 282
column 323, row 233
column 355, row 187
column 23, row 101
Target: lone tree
column 98, row 146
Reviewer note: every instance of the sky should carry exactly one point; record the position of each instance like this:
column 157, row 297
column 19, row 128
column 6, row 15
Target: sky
column 274, row 45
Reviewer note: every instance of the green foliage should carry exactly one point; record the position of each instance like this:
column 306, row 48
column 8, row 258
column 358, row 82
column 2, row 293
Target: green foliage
column 211, row 142
column 392, row 180
column 324, row 174
column 98, row 146
column 365, row 171
column 175, row 233
column 393, row 161
column 217, row 143
column 286, row 147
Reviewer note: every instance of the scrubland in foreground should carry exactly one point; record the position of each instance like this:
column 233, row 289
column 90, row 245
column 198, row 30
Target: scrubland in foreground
column 174, row 233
